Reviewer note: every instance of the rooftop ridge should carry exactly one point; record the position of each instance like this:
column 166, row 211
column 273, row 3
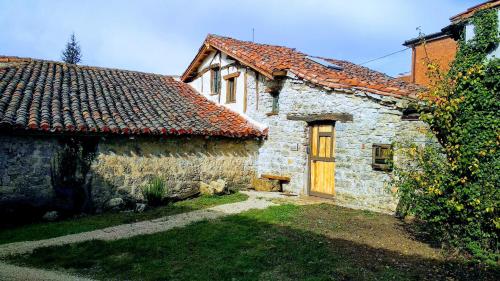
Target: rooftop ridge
column 16, row 59
column 251, row 42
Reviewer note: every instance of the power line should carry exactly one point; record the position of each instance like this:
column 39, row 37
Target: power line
column 385, row 56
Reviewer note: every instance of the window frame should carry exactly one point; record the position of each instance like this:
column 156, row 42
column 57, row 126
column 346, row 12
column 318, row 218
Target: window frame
column 215, row 86
column 275, row 105
column 231, row 92
column 376, row 165
column 231, row 77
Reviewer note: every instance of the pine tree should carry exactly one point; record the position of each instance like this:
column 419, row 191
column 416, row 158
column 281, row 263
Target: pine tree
column 72, row 54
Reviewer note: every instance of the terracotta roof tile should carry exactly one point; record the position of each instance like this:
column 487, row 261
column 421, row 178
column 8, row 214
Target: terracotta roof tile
column 269, row 58
column 472, row 10
column 41, row 95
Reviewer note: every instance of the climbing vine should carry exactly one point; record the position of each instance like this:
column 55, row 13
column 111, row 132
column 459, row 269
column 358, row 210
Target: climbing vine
column 453, row 186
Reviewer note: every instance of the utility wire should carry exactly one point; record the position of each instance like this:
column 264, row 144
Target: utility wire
column 385, row 56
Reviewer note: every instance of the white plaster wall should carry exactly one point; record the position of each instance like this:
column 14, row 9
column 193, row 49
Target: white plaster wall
column 202, row 83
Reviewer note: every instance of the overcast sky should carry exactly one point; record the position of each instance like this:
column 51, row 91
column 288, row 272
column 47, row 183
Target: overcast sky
column 163, row 36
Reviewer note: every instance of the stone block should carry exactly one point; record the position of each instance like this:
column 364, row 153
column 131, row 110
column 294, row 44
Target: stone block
column 214, row 187
column 51, row 216
column 266, row 184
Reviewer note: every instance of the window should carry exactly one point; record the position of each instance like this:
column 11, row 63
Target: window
column 231, row 87
column 231, row 90
column 275, row 106
column 410, row 114
column 215, row 81
column 324, row 63
column 381, row 157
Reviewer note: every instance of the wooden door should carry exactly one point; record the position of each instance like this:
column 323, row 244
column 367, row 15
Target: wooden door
column 322, row 160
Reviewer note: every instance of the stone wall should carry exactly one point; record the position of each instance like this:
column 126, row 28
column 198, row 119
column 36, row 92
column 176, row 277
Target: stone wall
column 25, row 182
column 376, row 119
column 120, row 167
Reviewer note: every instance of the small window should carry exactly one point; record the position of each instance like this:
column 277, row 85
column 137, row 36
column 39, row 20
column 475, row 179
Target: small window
column 382, row 157
column 215, row 81
column 231, row 90
column 410, row 114
column 276, row 105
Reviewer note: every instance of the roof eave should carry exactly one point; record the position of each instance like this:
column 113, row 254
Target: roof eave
column 204, row 49
column 431, row 37
column 207, row 47
column 472, row 10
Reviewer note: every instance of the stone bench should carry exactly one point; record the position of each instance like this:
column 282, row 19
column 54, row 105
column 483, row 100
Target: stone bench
column 268, row 182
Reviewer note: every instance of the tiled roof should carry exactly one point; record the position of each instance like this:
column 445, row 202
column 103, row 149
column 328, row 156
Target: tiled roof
column 472, row 10
column 49, row 96
column 272, row 60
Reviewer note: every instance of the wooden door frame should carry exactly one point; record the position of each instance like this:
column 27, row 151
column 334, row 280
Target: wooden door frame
column 310, row 126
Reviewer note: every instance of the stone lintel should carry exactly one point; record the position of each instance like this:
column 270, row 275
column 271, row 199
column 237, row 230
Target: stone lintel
column 343, row 117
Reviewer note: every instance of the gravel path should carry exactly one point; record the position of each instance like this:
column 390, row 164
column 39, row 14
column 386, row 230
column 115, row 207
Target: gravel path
column 256, row 200
column 17, row 273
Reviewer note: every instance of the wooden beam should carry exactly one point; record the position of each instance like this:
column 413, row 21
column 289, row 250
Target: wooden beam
column 256, row 91
column 231, row 75
column 245, row 97
column 280, row 73
column 343, row 117
column 204, row 51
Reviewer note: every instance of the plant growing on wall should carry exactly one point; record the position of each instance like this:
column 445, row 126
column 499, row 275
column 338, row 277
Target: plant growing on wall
column 454, row 188
column 154, row 192
column 69, row 170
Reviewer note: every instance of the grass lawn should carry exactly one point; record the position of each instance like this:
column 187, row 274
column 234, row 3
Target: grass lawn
column 45, row 230
column 288, row 242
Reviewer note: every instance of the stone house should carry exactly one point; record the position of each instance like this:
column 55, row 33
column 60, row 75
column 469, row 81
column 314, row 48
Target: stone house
column 441, row 46
column 74, row 137
column 330, row 123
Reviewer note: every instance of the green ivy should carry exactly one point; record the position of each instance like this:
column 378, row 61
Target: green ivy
column 454, row 187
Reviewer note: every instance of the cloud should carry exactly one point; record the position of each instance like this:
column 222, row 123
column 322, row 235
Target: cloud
column 163, row 36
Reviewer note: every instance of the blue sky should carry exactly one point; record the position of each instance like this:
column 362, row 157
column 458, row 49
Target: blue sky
column 163, row 36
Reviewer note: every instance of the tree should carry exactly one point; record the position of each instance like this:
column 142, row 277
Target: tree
column 72, row 53
column 454, row 187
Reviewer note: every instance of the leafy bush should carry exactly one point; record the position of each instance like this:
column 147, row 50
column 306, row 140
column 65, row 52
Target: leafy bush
column 454, row 187
column 154, row 192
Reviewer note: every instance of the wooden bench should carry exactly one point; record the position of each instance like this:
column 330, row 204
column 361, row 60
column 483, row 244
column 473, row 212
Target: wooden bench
column 276, row 177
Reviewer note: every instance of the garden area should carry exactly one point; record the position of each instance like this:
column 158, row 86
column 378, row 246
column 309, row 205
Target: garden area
column 285, row 242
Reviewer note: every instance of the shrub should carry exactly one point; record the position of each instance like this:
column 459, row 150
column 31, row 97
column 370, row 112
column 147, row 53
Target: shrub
column 453, row 187
column 154, row 192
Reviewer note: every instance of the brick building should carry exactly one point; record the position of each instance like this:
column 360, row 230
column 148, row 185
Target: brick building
column 441, row 47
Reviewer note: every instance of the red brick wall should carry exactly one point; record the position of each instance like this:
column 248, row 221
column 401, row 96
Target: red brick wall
column 442, row 51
